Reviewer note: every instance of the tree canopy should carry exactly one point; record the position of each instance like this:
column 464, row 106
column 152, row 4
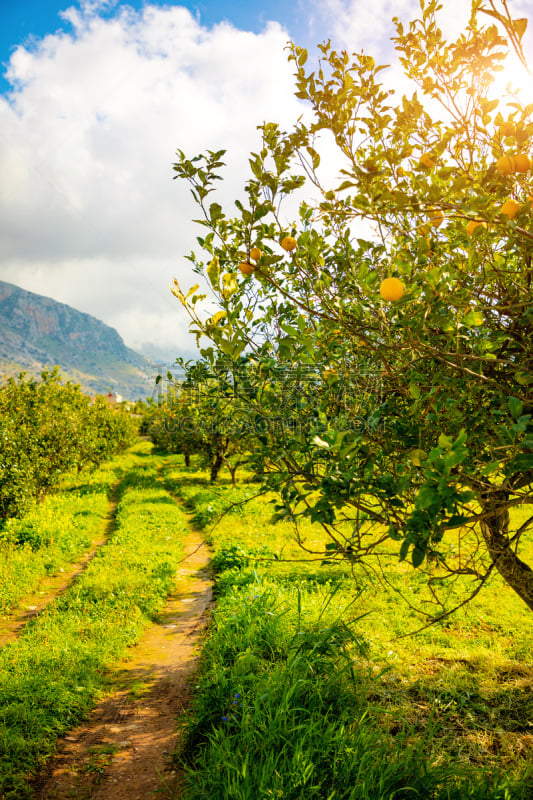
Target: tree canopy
column 381, row 342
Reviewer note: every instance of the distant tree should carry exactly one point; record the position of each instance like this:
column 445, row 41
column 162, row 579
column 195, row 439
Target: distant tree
column 47, row 429
column 201, row 415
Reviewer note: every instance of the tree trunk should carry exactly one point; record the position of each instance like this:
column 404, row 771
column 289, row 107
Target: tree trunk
column 187, row 459
column 233, row 473
column 215, row 466
column 513, row 570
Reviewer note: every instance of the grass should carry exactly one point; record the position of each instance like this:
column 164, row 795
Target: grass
column 57, row 533
column 52, row 675
column 307, row 686
column 307, row 689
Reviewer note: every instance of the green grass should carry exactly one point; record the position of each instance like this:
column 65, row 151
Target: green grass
column 57, row 532
column 52, row 675
column 306, row 689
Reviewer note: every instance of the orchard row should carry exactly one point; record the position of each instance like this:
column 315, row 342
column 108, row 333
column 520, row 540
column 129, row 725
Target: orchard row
column 48, row 429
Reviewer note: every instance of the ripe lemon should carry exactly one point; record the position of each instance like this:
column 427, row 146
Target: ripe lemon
column 509, row 208
column 522, row 162
column 426, row 161
column 436, row 217
column 289, row 243
column 255, row 254
column 505, row 165
column 391, row 289
column 246, row 268
column 473, row 224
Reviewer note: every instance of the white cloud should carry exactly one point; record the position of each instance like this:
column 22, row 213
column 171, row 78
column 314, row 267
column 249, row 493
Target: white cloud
column 89, row 212
column 357, row 24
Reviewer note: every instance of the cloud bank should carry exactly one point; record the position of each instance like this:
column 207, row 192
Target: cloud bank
column 89, row 213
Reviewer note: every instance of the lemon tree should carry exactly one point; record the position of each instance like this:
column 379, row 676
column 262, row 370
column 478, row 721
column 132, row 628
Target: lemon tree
column 386, row 332
column 202, row 414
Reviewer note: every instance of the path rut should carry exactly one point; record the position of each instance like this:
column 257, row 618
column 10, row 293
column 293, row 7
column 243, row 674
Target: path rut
column 53, row 586
column 123, row 751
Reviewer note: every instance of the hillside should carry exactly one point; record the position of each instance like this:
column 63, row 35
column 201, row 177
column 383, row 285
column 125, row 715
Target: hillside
column 37, row 332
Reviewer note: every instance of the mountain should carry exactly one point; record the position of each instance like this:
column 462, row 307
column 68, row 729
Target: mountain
column 36, row 332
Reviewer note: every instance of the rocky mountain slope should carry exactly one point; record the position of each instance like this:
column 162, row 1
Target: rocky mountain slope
column 36, row 332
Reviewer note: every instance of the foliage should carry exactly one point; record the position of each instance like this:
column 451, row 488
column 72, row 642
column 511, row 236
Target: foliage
column 406, row 420
column 50, row 536
column 48, row 429
column 202, row 415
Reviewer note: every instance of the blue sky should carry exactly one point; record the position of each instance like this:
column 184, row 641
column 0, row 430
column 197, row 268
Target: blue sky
column 94, row 105
column 24, row 21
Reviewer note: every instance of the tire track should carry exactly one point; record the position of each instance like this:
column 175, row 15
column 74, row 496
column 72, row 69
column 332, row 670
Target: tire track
column 50, row 588
column 124, row 750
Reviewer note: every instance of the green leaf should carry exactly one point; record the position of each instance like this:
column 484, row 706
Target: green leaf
column 515, row 407
column 473, row 319
column 213, row 272
column 522, row 463
column 445, row 442
column 417, row 556
column 215, row 212
column 345, row 185
column 404, row 549
column 523, row 378
column 216, row 318
column 192, row 290
column 414, row 390
column 490, row 469
column 426, row 497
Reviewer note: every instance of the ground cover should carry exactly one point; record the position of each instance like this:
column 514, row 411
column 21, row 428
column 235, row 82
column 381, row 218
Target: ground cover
column 53, row 673
column 54, row 534
column 307, row 690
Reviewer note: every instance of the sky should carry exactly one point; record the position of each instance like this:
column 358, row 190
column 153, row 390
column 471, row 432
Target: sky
column 96, row 97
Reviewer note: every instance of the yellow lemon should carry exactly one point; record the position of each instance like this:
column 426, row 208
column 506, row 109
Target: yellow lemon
column 255, row 254
column 522, row 162
column 246, row 268
column 436, row 217
column 288, row 243
column 391, row 289
column 473, row 224
column 509, row 208
column 505, row 165
column 426, row 161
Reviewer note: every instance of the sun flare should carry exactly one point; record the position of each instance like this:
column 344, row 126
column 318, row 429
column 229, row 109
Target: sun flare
column 514, row 83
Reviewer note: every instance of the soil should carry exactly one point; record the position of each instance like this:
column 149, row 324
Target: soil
column 124, row 749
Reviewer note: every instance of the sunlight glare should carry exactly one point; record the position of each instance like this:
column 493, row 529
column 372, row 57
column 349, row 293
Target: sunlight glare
column 513, row 83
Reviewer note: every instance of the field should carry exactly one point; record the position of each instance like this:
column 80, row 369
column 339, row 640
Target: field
column 308, row 686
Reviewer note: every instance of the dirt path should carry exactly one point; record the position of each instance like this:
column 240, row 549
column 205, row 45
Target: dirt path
column 51, row 587
column 123, row 751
